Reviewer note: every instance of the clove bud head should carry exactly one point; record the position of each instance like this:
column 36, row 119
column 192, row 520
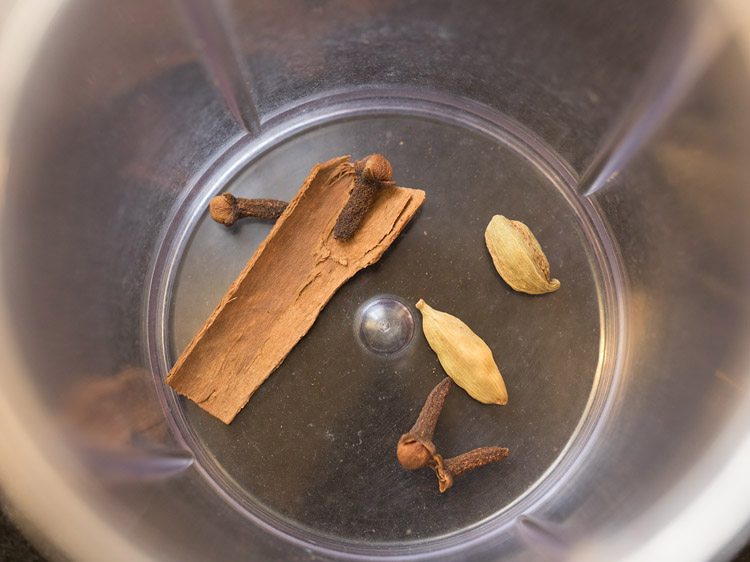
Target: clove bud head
column 444, row 476
column 224, row 209
column 378, row 168
column 414, row 453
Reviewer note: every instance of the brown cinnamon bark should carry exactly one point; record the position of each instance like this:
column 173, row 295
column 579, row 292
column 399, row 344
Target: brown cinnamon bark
column 283, row 288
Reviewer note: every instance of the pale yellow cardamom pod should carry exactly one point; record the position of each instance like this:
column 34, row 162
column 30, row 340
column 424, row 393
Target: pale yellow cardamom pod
column 518, row 257
column 463, row 355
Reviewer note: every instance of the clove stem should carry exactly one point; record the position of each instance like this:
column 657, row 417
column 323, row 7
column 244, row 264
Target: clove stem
column 424, row 427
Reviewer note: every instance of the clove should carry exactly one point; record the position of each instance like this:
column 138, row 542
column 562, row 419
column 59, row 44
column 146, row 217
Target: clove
column 371, row 174
column 228, row 209
column 416, row 450
column 447, row 470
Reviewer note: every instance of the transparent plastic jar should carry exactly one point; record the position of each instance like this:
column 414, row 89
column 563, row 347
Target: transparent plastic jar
column 618, row 131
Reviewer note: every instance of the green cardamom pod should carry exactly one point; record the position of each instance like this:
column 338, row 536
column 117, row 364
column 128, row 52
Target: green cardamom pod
column 518, row 257
column 463, row 355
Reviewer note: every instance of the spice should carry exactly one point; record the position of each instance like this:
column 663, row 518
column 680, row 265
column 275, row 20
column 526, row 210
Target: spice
column 280, row 292
column 372, row 174
column 416, row 450
column 447, row 470
column 518, row 257
column 463, row 355
column 228, row 209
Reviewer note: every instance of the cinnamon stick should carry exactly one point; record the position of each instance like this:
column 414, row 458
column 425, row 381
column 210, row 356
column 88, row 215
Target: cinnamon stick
column 290, row 278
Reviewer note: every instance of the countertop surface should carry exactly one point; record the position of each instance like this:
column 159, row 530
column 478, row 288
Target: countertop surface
column 13, row 545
